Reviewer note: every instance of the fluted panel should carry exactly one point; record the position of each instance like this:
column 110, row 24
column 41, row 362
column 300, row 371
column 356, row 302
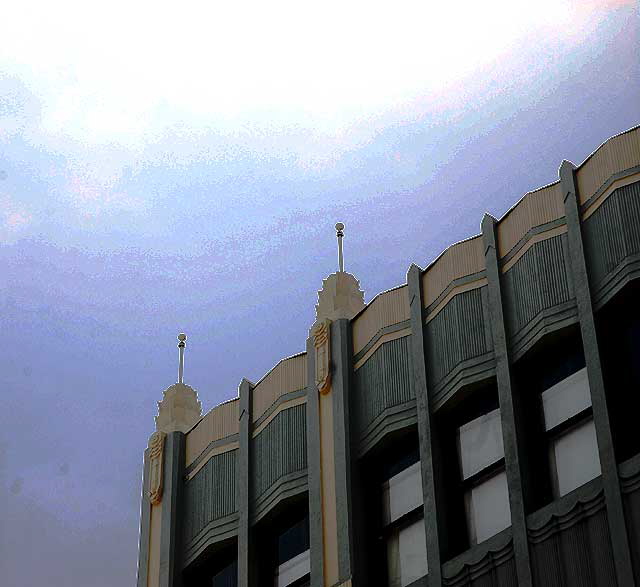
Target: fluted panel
column 218, row 423
column 617, row 154
column 210, row 494
column 536, row 282
column 572, row 547
column 288, row 375
column 456, row 334
column 279, row 449
column 459, row 260
column 612, row 233
column 534, row 209
column 386, row 309
column 383, row 381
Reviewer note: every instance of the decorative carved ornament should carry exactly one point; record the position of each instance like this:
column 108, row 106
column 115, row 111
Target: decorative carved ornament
column 322, row 344
column 156, row 458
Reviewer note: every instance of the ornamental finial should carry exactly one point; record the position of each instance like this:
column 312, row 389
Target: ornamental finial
column 182, row 337
column 340, row 234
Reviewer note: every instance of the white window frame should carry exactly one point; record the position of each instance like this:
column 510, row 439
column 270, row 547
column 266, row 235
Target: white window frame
column 567, row 411
column 481, row 460
column 403, row 513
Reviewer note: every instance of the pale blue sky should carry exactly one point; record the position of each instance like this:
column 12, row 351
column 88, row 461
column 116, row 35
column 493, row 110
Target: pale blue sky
column 164, row 169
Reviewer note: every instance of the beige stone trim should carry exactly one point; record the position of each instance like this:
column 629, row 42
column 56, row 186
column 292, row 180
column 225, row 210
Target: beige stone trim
column 455, row 291
column 322, row 348
column 459, row 260
column 216, row 450
column 536, row 238
column 617, row 154
column 218, row 423
column 283, row 406
column 612, row 188
column 156, row 462
column 534, row 209
column 155, row 534
column 288, row 375
column 386, row 309
column 384, row 338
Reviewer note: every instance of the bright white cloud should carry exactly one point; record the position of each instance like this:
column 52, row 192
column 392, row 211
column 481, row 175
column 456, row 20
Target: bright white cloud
column 118, row 71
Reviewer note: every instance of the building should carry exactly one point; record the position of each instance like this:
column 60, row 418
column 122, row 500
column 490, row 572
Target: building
column 475, row 426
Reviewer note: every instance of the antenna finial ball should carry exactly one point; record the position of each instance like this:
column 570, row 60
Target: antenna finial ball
column 182, row 337
column 339, row 226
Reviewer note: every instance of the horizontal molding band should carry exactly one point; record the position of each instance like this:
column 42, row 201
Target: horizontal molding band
column 468, row 283
column 533, row 236
column 464, row 373
column 626, row 271
column 214, row 448
column 368, row 349
column 216, row 531
column 629, row 472
column 458, row 282
column 546, row 321
column 617, row 180
column 287, row 486
column 390, row 420
column 276, row 407
column 497, row 550
column 566, row 511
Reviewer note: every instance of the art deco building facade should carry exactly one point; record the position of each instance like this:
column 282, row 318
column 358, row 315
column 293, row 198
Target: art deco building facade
column 476, row 426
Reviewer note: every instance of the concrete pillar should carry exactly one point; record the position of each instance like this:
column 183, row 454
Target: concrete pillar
column 608, row 464
column 511, row 433
column 243, row 481
column 433, row 516
column 171, row 527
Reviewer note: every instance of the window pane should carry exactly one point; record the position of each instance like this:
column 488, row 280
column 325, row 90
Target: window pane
column 488, row 508
column 413, row 552
column 402, row 493
column 407, row 555
column 566, row 398
column 480, row 443
column 293, row 569
column 576, row 458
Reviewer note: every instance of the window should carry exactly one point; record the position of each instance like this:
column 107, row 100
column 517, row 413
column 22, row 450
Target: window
column 403, row 523
column 568, row 420
column 293, row 556
column 486, row 497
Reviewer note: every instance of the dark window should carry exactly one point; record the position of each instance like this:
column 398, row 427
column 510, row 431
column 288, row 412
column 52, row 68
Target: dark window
column 619, row 343
column 227, row 577
column 293, row 540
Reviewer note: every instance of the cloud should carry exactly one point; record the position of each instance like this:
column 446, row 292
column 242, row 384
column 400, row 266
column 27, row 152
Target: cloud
column 14, row 218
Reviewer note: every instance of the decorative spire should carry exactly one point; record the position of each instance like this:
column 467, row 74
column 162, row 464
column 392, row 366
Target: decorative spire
column 182, row 337
column 340, row 296
column 179, row 408
column 340, row 234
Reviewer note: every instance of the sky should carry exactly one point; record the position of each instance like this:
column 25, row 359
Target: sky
column 180, row 167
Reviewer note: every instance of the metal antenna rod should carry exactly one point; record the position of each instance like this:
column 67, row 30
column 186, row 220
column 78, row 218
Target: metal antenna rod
column 340, row 234
column 182, row 337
